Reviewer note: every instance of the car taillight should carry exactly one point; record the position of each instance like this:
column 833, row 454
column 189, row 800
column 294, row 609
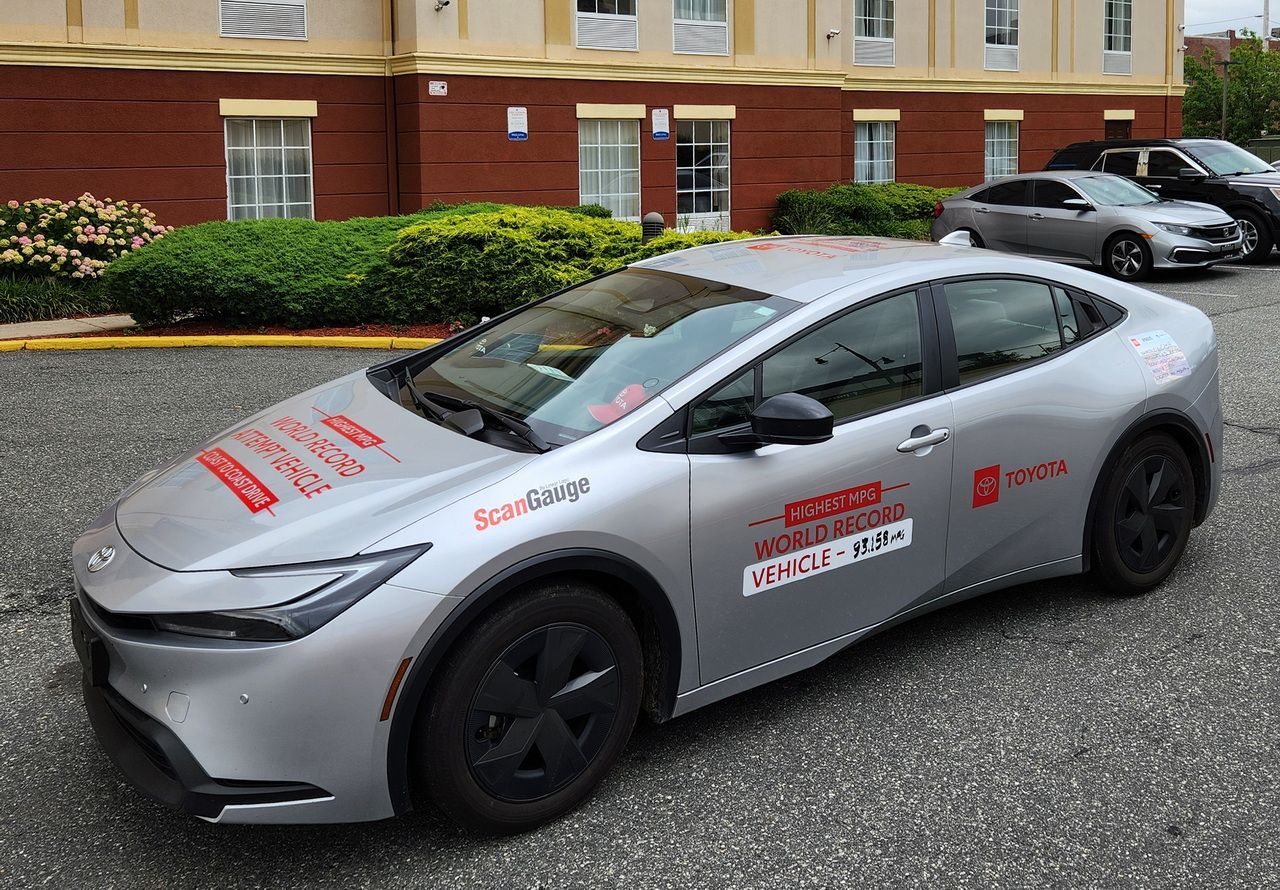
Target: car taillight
column 937, row 209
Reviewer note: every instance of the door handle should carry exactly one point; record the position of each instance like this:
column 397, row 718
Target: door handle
column 1037, row 216
column 982, row 210
column 924, row 440
column 1155, row 186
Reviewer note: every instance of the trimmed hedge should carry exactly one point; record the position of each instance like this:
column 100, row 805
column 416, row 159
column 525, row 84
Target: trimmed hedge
column 893, row 209
column 40, row 299
column 294, row 272
column 462, row 268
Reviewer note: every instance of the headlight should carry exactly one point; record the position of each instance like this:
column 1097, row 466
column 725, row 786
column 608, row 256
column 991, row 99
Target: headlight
column 1175, row 229
column 342, row 583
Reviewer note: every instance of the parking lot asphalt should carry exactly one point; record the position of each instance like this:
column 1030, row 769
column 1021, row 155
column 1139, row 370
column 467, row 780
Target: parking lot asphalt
column 1049, row 735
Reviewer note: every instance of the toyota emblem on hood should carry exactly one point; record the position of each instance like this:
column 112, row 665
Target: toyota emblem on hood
column 102, row 558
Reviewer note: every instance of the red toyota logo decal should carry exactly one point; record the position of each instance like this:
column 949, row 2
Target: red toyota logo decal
column 986, row 486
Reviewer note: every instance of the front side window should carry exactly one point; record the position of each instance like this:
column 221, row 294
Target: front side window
column 1000, row 324
column 609, row 166
column 1001, row 149
column 873, row 151
column 1164, row 164
column 582, row 359
column 269, row 168
column 873, row 32
column 702, row 175
column 1117, row 28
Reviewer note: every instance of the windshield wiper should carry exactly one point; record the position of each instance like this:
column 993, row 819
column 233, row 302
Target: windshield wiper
column 517, row 428
column 465, row 422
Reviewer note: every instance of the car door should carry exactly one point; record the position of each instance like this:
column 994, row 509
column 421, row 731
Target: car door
column 795, row 545
column 1033, row 397
column 1001, row 216
column 1057, row 231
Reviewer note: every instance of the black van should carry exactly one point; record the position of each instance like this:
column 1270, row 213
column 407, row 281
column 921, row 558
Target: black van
column 1207, row 170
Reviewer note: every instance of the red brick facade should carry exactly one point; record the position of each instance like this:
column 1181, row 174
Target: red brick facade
column 385, row 145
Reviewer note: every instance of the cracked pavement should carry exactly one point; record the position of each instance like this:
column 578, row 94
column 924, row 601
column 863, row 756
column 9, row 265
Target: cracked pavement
column 1047, row 735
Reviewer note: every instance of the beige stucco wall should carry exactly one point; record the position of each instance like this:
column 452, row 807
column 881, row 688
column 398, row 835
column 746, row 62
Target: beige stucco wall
column 45, row 22
column 333, row 26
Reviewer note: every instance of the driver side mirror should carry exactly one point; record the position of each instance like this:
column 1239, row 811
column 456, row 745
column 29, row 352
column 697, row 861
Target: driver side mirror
column 1190, row 174
column 1077, row 204
column 785, row 419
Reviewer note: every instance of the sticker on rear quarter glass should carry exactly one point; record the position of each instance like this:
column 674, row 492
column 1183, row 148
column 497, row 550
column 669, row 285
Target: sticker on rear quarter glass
column 1162, row 355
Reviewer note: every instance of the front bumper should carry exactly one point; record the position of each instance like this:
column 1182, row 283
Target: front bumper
column 1170, row 251
column 251, row 732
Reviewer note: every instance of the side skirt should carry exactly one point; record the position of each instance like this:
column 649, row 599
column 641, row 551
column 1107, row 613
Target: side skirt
column 806, row 658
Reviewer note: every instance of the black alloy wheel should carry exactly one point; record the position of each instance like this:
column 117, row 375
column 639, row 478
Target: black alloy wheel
column 1144, row 515
column 543, row 712
column 530, row 708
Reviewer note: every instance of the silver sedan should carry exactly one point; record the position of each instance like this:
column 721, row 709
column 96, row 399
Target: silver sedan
column 1089, row 218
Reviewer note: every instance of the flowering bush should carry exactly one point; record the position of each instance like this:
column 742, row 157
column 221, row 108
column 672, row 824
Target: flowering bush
column 72, row 239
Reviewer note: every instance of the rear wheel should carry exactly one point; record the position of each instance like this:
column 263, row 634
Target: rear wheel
column 530, row 710
column 1127, row 257
column 1257, row 243
column 1144, row 518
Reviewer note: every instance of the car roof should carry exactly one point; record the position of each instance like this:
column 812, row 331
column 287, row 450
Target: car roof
column 807, row 267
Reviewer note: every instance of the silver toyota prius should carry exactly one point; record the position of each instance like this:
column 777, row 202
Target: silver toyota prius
column 1090, row 218
column 459, row 576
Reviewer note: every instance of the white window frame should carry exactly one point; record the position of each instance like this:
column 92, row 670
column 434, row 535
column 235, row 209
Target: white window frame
column 1117, row 37
column 306, row 20
column 713, row 220
column 257, row 178
column 868, row 135
column 684, row 30
column 997, row 135
column 874, row 35
column 599, row 197
column 609, row 18
column 1000, row 56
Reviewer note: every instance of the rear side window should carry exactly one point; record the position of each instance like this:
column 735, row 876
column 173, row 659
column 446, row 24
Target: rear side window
column 1001, row 323
column 1052, row 194
column 1071, row 325
column 1009, row 193
column 1122, row 163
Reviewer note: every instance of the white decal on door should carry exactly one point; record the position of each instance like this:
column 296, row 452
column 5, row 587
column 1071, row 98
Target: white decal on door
column 824, row 557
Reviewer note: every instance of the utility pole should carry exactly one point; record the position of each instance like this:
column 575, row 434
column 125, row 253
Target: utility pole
column 1266, row 25
column 1226, row 80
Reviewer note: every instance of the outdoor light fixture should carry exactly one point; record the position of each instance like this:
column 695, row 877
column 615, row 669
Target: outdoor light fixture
column 441, row 4
column 834, row 32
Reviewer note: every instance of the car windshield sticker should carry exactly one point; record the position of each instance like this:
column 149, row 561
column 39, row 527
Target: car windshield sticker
column 1162, row 355
column 827, row 532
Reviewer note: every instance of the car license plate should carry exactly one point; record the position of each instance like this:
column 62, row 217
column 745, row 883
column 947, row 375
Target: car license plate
column 89, row 648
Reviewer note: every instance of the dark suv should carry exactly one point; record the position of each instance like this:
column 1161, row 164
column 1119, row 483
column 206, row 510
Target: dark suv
column 1207, row 170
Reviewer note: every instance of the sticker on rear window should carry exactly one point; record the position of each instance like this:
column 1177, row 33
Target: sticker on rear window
column 1161, row 354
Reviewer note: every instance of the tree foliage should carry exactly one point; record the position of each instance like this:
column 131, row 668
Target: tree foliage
column 1253, row 94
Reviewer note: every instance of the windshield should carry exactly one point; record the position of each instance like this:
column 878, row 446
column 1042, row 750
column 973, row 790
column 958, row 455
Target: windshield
column 581, row 360
column 1226, row 159
column 1114, row 191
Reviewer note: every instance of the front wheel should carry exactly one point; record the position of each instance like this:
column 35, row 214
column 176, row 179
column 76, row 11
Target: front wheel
column 530, row 710
column 1127, row 257
column 1144, row 519
column 1257, row 243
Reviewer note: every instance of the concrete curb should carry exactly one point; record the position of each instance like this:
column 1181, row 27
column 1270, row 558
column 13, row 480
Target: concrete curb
column 143, row 342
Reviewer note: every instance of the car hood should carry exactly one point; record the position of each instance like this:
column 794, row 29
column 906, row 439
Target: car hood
column 323, row 475
column 1260, row 180
column 1185, row 212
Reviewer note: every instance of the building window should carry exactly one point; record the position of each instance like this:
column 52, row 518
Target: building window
column 873, row 151
column 701, row 27
column 1117, row 37
column 1002, row 35
column 873, row 32
column 269, row 168
column 702, row 175
column 607, row 24
column 1002, row 149
column 609, row 166
column 276, row 19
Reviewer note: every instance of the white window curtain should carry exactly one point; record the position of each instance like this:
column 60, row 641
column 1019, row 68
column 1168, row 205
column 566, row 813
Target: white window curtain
column 873, row 151
column 609, row 166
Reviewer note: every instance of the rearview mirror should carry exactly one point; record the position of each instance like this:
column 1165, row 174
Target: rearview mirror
column 786, row 419
column 1077, row 204
column 1190, row 174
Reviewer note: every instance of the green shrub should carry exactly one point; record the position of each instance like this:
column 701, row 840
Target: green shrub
column 293, row 272
column 26, row 298
column 72, row 239
column 894, row 210
column 460, row 269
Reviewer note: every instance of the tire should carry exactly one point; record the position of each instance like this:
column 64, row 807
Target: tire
column 1144, row 518
column 1256, row 232
column 1127, row 257
column 498, row 752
